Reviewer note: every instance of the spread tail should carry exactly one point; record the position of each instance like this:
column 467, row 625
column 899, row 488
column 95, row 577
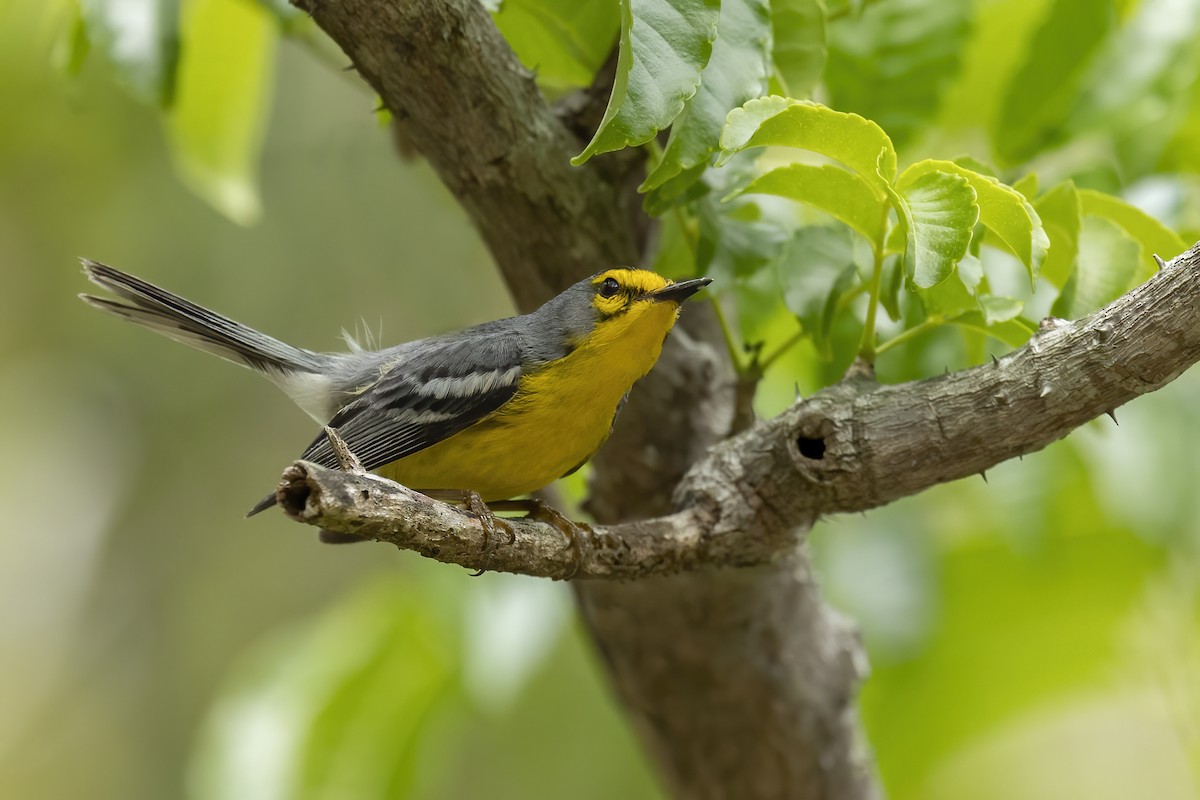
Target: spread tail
column 184, row 321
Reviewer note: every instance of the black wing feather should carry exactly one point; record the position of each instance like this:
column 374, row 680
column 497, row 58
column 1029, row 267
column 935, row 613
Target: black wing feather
column 404, row 412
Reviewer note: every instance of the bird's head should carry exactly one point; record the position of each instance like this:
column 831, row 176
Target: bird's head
column 631, row 309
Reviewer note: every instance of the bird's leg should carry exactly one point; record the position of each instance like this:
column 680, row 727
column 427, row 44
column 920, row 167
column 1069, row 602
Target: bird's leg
column 576, row 533
column 475, row 505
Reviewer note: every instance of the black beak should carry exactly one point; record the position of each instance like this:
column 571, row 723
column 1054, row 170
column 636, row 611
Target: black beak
column 678, row 292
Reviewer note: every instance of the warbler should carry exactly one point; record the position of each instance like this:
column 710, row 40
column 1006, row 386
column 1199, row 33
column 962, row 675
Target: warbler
column 498, row 410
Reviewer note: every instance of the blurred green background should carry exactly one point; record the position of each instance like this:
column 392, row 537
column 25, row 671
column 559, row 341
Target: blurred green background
column 1035, row 636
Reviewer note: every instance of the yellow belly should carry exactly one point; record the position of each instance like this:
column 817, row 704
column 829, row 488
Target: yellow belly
column 559, row 417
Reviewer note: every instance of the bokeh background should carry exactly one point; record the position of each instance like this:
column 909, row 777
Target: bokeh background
column 1033, row 636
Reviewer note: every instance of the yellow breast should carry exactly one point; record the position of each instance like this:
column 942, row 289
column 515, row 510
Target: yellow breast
column 559, row 417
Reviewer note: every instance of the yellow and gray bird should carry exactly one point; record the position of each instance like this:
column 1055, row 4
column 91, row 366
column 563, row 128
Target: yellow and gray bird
column 501, row 409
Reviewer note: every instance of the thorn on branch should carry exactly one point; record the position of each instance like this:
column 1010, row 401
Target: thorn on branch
column 983, row 474
column 1158, row 260
column 1112, row 413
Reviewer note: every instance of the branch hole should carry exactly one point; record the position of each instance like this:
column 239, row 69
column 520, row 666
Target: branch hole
column 811, row 448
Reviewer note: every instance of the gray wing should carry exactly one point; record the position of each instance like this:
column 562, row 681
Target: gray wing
column 436, row 390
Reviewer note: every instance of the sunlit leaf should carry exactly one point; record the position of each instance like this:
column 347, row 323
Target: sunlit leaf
column 215, row 127
column 834, row 190
column 779, row 121
column 938, row 210
column 1108, row 259
column 1062, row 214
column 139, row 38
column 563, row 41
column 893, row 63
column 799, row 35
column 664, row 46
column 1039, row 97
column 1002, row 209
column 1152, row 236
column 737, row 72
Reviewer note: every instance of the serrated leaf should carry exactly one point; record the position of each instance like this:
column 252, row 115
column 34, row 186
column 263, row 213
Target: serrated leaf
column 664, row 46
column 563, row 41
column 215, row 127
column 1002, row 210
column 1062, row 214
column 938, row 211
column 799, row 36
column 858, row 143
column 1107, row 265
column 834, row 190
column 1040, row 95
column 1151, row 235
column 893, row 63
column 141, row 41
column 817, row 265
column 737, row 72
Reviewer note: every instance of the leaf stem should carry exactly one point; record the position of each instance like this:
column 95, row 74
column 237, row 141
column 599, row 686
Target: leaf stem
column 866, row 349
column 788, row 344
column 912, row 333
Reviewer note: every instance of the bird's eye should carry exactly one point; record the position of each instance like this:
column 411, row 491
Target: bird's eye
column 610, row 287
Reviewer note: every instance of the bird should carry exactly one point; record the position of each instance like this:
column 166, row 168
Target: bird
column 482, row 415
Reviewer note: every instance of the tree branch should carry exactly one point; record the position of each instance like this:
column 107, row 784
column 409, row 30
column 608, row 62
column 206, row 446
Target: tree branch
column 854, row 446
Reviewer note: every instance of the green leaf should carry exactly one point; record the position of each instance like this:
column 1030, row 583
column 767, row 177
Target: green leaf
column 1002, row 210
column 737, row 238
column 1062, row 214
column 957, row 294
column 1014, row 332
column 893, row 63
column 834, row 190
column 563, row 41
column 779, row 121
column 664, row 46
column 140, row 40
column 1107, row 265
column 215, row 127
column 799, row 36
column 737, row 72
column 71, row 51
column 1027, row 185
column 1152, row 236
column 1039, row 97
column 1000, row 309
column 938, row 210
column 815, row 268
